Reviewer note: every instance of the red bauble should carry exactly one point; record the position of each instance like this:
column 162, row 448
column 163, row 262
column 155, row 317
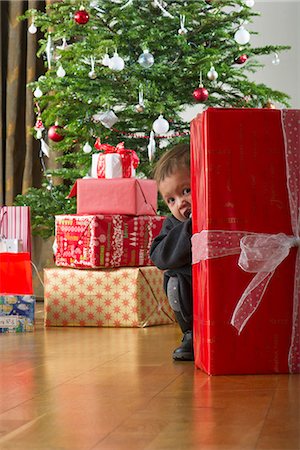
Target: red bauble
column 54, row 133
column 241, row 59
column 81, row 17
column 200, row 94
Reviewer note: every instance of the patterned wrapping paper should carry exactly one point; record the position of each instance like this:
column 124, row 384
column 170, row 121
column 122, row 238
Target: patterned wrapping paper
column 125, row 297
column 104, row 241
column 16, row 313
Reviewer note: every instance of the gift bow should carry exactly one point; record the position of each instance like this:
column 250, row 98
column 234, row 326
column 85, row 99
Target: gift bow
column 119, row 148
column 263, row 253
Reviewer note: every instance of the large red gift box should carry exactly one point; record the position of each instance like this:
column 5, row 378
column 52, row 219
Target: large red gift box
column 125, row 297
column 244, row 200
column 105, row 241
column 115, row 196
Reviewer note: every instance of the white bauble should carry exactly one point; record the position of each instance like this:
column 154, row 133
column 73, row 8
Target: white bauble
column 37, row 92
column 242, row 36
column 60, row 72
column 146, row 59
column 116, row 63
column 105, row 60
column 87, row 148
column 160, row 125
column 32, row 29
column 249, row 3
column 212, row 74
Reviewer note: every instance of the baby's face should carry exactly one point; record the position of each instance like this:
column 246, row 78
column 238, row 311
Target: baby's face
column 176, row 192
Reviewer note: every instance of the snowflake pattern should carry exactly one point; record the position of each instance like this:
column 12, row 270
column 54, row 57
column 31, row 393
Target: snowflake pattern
column 136, row 300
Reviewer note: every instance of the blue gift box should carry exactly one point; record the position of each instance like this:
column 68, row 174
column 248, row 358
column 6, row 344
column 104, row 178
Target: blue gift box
column 16, row 313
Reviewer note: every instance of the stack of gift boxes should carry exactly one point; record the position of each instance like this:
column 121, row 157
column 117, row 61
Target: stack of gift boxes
column 104, row 276
column 17, row 303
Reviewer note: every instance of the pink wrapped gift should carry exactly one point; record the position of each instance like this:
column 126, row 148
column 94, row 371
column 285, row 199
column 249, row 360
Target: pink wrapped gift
column 129, row 196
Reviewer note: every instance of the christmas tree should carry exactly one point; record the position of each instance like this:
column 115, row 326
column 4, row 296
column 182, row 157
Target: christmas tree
column 125, row 71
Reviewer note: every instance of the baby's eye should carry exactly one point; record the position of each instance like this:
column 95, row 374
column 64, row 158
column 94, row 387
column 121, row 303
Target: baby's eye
column 186, row 191
column 170, row 200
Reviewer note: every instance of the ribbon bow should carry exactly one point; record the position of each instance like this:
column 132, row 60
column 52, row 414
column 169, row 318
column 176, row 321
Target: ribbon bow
column 120, row 149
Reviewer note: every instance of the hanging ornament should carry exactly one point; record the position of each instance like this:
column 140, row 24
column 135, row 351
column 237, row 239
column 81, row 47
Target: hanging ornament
column 87, row 148
column 44, row 148
column 158, row 3
column 37, row 93
column 160, row 125
column 105, row 59
column 49, row 50
column 64, row 44
column 182, row 29
column 151, row 146
column 269, row 105
column 276, row 59
column 39, row 127
column 54, row 133
column 108, row 118
column 92, row 73
column 146, row 59
column 140, row 107
column 81, row 16
column 249, row 3
column 212, row 74
column 200, row 94
column 116, row 62
column 241, row 59
column 242, row 36
column 60, row 72
column 32, row 29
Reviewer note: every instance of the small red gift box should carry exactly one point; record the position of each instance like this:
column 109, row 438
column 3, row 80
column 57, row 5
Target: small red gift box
column 15, row 273
column 125, row 297
column 90, row 241
column 114, row 162
column 116, row 196
column 245, row 218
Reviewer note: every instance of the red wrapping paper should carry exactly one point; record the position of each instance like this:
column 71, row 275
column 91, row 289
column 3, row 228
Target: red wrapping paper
column 15, row 274
column 239, row 183
column 104, row 241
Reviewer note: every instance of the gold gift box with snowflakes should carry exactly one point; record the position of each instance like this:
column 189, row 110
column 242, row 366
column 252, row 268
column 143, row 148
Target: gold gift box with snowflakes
column 123, row 297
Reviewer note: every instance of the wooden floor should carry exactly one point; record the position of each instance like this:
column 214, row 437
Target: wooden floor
column 117, row 389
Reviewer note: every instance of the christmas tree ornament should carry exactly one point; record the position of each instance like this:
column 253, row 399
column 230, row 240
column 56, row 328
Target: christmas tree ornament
column 49, row 50
column 140, row 107
column 151, row 146
column 81, row 16
column 241, row 59
column 269, row 105
column 32, row 29
column 64, row 44
column 39, row 127
column 276, row 59
column 182, row 29
column 37, row 93
column 200, row 94
column 160, row 125
column 159, row 4
column 249, row 3
column 44, row 148
column 116, row 63
column 54, row 133
column 146, row 59
column 60, row 72
column 105, row 59
column 92, row 74
column 242, row 36
column 212, row 74
column 107, row 118
column 87, row 148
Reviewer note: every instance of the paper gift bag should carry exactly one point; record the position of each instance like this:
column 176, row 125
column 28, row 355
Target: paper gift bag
column 15, row 225
column 15, row 274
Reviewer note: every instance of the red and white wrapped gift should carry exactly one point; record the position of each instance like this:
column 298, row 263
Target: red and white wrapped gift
column 113, row 162
column 15, row 232
column 246, row 225
column 105, row 241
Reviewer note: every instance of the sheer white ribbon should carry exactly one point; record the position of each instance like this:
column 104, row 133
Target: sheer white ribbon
column 263, row 253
